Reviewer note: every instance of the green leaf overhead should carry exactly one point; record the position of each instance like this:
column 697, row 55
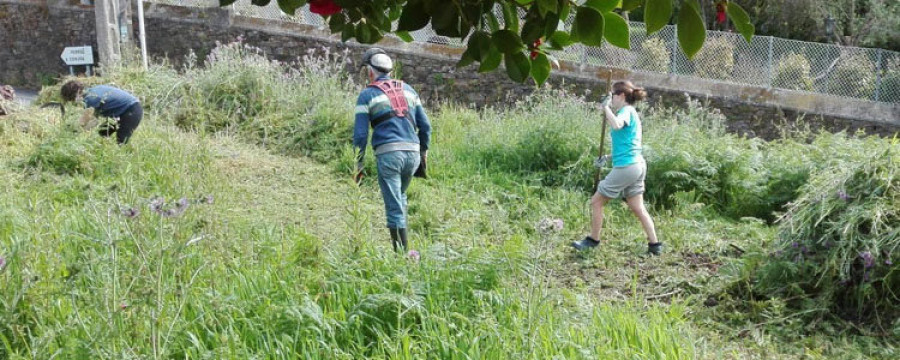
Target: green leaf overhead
column 479, row 45
column 413, row 17
column 602, row 5
column 559, row 40
column 540, row 69
column 404, row 35
column 616, row 30
column 548, row 6
column 491, row 61
column 508, row 42
column 518, row 67
column 629, row 5
column 691, row 29
column 657, row 14
column 741, row 20
column 589, row 26
column 505, row 28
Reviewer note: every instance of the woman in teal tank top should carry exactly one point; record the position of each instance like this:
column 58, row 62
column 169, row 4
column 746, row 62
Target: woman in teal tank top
column 626, row 180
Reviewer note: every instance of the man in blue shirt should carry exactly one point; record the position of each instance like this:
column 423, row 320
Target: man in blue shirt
column 109, row 102
column 400, row 137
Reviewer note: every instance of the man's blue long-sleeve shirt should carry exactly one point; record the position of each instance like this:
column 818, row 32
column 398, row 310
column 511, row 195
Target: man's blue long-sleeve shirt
column 372, row 103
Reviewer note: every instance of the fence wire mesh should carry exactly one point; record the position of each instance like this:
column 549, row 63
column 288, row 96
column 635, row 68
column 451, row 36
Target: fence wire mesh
column 869, row 74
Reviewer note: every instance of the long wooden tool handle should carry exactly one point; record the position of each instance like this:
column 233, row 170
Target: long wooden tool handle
column 603, row 131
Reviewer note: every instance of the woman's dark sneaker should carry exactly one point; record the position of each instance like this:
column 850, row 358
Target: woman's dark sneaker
column 654, row 249
column 586, row 243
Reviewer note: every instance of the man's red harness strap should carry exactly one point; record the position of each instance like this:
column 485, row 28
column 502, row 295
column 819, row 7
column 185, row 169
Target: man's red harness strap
column 394, row 91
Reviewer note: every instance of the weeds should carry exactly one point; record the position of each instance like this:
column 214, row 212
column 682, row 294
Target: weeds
column 286, row 262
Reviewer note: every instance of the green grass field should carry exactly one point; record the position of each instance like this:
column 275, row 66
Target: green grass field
column 272, row 252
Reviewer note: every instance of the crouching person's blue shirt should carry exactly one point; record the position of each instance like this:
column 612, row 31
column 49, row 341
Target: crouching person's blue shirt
column 109, row 101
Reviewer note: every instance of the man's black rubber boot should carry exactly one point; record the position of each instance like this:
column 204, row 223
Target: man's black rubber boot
column 586, row 243
column 403, row 238
column 395, row 239
column 654, row 249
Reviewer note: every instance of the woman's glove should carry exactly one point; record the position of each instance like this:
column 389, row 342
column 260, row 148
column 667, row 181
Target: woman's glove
column 606, row 100
column 600, row 162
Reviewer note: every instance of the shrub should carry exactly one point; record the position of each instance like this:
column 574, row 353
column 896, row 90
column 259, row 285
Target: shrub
column 550, row 140
column 298, row 108
column 839, row 242
column 653, row 56
column 66, row 154
column 8, row 107
column 792, row 72
column 890, row 82
column 853, row 76
column 716, row 59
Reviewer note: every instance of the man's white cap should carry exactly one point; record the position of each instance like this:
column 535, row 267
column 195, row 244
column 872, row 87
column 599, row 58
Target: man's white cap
column 381, row 62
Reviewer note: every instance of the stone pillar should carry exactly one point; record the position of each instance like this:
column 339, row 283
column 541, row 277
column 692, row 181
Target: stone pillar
column 114, row 29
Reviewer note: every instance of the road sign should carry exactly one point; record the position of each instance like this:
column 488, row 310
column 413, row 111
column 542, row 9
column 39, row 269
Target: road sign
column 78, row 55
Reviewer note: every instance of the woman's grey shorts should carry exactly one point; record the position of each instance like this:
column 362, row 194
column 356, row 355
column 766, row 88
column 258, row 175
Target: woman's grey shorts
column 624, row 181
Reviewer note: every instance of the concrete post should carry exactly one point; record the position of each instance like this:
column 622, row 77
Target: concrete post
column 107, row 31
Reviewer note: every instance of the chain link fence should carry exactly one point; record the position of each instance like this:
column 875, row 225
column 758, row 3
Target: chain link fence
column 869, row 74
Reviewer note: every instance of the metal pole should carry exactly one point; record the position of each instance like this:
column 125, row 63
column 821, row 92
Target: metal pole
column 72, row 70
column 143, row 34
column 674, row 50
column 771, row 55
column 878, row 69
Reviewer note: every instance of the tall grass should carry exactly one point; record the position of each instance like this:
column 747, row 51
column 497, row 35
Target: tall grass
column 95, row 265
column 839, row 242
column 189, row 243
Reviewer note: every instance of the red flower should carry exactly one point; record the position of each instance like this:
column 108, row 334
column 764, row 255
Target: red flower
column 534, row 47
column 324, row 7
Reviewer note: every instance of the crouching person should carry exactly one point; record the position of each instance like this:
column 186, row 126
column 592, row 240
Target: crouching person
column 106, row 101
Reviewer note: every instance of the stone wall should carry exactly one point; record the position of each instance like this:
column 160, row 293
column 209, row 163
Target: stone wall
column 431, row 69
column 33, row 34
column 173, row 32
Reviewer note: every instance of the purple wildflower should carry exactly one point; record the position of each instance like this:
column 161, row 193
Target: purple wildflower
column 795, row 244
column 804, row 250
column 842, row 195
column 2, row 262
column 208, row 200
column 866, row 276
column 413, row 255
column 156, row 204
column 131, row 213
column 174, row 212
column 558, row 224
column 868, row 259
column 888, row 262
column 548, row 225
column 182, row 203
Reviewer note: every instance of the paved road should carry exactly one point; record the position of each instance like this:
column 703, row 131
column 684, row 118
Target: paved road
column 25, row 96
